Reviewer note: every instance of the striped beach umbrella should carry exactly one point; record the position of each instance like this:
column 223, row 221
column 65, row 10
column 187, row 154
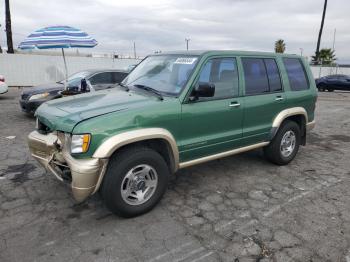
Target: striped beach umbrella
column 58, row 37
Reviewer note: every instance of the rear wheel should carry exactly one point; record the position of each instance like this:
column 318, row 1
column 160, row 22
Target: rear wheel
column 135, row 181
column 285, row 145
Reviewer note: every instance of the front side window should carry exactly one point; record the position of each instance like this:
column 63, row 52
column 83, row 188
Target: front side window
column 223, row 73
column 167, row 74
column 75, row 79
column 101, row 78
column 256, row 80
column 296, row 74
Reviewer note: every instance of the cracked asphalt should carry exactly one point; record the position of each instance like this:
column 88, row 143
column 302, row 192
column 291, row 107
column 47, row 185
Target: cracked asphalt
column 241, row 208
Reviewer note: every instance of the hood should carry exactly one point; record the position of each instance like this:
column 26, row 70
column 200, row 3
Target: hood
column 43, row 88
column 64, row 113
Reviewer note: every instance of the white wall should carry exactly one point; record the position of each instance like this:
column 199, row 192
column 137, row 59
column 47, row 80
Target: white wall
column 30, row 70
column 318, row 71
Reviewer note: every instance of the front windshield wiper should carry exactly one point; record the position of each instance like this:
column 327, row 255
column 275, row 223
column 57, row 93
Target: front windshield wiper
column 152, row 90
column 125, row 87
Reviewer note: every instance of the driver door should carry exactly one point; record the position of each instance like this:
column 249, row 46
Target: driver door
column 213, row 124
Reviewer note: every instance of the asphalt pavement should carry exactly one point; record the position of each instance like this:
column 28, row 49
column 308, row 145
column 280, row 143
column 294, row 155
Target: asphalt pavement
column 240, row 208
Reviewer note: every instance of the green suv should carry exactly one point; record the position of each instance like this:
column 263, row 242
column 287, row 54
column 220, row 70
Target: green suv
column 174, row 110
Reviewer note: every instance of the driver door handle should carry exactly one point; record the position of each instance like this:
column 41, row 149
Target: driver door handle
column 234, row 104
column 279, row 98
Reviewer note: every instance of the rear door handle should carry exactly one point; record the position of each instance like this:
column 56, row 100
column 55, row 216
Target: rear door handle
column 279, row 98
column 234, row 104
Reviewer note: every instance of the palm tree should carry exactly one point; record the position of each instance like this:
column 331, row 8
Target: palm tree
column 326, row 56
column 317, row 53
column 8, row 27
column 280, row 46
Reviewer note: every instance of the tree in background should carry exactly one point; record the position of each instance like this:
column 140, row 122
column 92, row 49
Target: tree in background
column 8, row 27
column 316, row 61
column 326, row 56
column 280, row 46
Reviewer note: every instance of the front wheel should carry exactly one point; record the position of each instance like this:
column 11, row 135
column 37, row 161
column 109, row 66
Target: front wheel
column 285, row 145
column 321, row 88
column 135, row 181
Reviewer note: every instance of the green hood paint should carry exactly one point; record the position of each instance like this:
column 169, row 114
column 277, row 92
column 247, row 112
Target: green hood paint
column 65, row 113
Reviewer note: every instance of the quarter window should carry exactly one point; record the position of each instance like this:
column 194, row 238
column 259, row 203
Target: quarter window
column 101, row 78
column 296, row 74
column 273, row 75
column 256, row 81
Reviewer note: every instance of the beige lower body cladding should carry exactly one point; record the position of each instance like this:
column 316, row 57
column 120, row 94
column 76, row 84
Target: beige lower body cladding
column 49, row 150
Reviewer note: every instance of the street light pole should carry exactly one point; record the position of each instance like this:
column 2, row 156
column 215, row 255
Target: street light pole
column 0, row 40
column 335, row 31
column 187, row 40
column 134, row 50
column 301, row 51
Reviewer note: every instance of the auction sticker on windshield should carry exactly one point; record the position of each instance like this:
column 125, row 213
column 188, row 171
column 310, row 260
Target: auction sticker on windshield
column 185, row 60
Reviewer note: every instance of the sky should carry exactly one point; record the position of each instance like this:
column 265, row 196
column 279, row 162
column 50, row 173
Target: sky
column 209, row 24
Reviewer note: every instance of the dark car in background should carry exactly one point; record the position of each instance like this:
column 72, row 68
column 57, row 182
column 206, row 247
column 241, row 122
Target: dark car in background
column 32, row 98
column 333, row 82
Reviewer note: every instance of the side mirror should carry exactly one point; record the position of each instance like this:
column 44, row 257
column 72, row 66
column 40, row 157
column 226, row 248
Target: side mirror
column 203, row 89
column 84, row 86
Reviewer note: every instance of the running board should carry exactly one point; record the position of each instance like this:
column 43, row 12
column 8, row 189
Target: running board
column 221, row 155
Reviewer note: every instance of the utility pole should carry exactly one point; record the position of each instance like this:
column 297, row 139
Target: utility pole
column 187, row 40
column 301, row 51
column 335, row 31
column 8, row 27
column 320, row 32
column 134, row 50
column 336, row 66
column 0, row 40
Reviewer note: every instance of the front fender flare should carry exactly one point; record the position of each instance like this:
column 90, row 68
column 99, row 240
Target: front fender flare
column 108, row 147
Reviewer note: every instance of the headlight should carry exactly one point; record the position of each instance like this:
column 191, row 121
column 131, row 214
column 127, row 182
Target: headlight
column 80, row 143
column 39, row 96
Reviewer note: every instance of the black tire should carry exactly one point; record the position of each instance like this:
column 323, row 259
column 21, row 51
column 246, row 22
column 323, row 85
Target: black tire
column 321, row 88
column 273, row 150
column 119, row 165
column 330, row 90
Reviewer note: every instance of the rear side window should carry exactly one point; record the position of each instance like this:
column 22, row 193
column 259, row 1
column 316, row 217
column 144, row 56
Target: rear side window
column 296, row 74
column 118, row 77
column 273, row 75
column 256, row 81
column 101, row 78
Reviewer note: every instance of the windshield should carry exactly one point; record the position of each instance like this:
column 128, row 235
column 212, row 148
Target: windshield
column 75, row 79
column 167, row 74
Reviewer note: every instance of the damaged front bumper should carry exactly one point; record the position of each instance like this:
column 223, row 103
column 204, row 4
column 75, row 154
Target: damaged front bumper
column 51, row 151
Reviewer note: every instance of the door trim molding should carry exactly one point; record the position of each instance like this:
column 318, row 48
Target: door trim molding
column 221, row 155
